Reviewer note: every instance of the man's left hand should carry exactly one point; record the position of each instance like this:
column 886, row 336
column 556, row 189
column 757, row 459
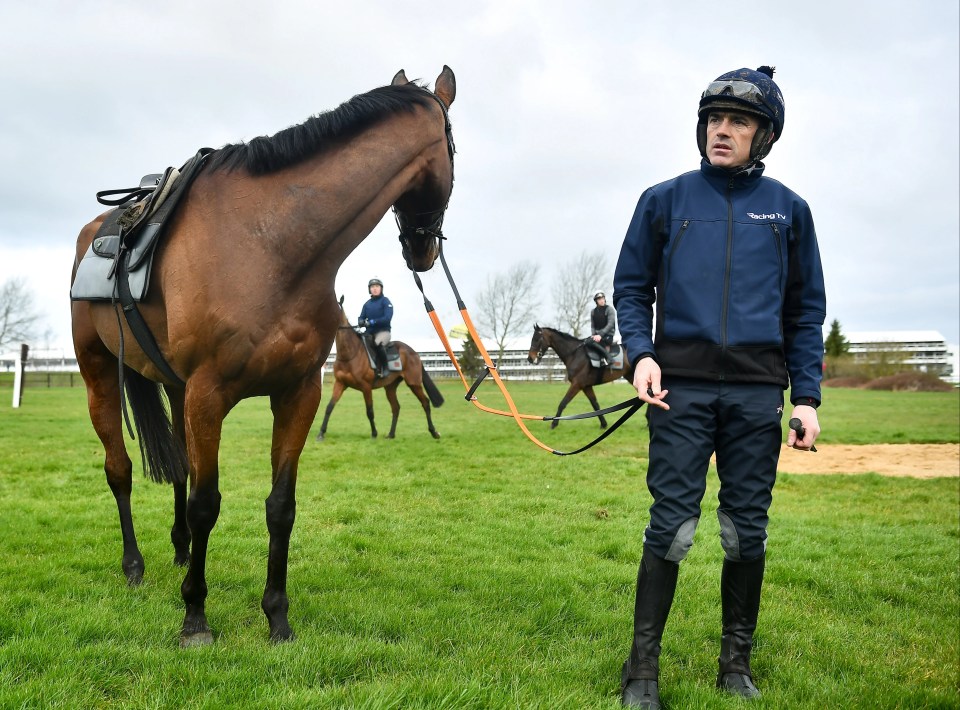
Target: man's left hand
column 808, row 418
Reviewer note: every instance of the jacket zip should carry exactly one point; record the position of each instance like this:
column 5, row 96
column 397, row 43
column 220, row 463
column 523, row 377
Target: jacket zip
column 676, row 244
column 726, row 279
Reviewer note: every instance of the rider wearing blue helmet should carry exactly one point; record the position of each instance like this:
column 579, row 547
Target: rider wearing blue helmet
column 731, row 258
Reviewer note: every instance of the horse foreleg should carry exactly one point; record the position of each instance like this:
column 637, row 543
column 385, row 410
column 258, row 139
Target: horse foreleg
column 203, row 415
column 596, row 405
column 338, row 389
column 391, row 391
column 180, row 531
column 571, row 393
column 293, row 413
column 425, row 403
column 368, row 401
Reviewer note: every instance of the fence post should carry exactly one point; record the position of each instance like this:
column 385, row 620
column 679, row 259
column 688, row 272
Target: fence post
column 18, row 375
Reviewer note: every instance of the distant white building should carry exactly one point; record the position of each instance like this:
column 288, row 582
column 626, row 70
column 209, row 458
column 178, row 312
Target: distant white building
column 923, row 350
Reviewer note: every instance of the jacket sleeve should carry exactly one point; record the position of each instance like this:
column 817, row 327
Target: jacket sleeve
column 804, row 309
column 635, row 277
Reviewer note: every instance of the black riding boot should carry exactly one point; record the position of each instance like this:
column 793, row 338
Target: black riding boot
column 740, row 585
column 381, row 357
column 656, row 583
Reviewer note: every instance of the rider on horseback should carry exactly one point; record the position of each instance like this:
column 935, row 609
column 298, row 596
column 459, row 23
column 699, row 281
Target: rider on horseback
column 375, row 316
column 603, row 324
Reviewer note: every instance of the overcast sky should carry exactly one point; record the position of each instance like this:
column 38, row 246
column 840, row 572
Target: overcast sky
column 565, row 112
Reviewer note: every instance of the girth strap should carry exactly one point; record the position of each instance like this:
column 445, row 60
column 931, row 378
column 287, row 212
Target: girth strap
column 138, row 326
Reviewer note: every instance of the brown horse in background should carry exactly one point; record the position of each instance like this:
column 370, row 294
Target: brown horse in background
column 352, row 369
column 580, row 373
column 241, row 303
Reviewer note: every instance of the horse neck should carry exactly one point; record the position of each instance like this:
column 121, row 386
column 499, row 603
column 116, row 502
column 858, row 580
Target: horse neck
column 564, row 347
column 348, row 341
column 348, row 190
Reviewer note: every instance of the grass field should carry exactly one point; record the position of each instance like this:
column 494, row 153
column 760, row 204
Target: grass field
column 471, row 572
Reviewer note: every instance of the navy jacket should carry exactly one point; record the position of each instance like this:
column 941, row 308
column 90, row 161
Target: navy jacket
column 378, row 312
column 733, row 262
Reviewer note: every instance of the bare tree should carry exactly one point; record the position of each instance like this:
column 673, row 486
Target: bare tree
column 577, row 281
column 18, row 319
column 507, row 303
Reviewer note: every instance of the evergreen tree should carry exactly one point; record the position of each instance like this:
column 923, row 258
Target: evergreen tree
column 470, row 360
column 836, row 344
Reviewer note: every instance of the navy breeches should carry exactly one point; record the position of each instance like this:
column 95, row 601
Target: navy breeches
column 740, row 422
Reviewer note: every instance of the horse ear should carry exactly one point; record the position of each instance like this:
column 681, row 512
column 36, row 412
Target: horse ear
column 399, row 78
column 446, row 86
column 340, row 302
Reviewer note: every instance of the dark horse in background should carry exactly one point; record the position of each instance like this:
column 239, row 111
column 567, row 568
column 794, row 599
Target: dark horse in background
column 242, row 304
column 352, row 369
column 580, row 373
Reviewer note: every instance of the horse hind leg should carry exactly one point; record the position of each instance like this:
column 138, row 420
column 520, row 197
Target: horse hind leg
column 425, row 403
column 99, row 371
column 180, row 531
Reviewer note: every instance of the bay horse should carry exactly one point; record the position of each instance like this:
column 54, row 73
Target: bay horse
column 242, row 304
column 580, row 373
column 352, row 369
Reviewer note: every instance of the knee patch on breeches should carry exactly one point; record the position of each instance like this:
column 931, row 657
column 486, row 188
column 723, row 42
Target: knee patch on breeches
column 682, row 541
column 730, row 538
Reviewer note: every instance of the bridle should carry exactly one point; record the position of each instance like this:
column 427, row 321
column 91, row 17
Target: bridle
column 414, row 224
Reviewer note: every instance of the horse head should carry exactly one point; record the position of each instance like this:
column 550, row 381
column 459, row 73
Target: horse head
column 538, row 346
column 420, row 211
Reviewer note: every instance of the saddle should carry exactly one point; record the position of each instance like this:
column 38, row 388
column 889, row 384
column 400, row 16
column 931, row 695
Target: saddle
column 130, row 233
column 392, row 352
column 117, row 264
column 614, row 357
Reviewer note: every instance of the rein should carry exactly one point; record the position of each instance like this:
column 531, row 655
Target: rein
column 631, row 405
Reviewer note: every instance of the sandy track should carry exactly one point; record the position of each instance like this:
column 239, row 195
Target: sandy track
column 916, row 460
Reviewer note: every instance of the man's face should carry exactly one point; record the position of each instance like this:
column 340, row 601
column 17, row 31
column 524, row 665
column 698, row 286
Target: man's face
column 601, row 302
column 729, row 136
column 376, row 289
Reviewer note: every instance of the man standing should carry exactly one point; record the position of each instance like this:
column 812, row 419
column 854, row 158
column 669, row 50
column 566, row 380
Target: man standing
column 376, row 315
column 732, row 259
column 603, row 325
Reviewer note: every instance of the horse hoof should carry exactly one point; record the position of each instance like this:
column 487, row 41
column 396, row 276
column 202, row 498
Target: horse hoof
column 435, row 434
column 202, row 638
column 285, row 637
column 319, row 437
column 553, row 425
column 181, row 560
column 135, row 580
column 391, row 436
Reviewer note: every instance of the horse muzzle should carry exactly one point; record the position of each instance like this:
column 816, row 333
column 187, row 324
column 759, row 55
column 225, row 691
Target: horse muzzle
column 420, row 249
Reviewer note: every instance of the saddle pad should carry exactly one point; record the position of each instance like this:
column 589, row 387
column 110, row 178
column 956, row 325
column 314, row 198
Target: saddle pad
column 96, row 278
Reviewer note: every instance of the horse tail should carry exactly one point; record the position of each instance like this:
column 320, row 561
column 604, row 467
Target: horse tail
column 163, row 455
column 436, row 399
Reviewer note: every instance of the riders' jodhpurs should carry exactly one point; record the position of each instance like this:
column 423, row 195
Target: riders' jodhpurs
column 741, row 423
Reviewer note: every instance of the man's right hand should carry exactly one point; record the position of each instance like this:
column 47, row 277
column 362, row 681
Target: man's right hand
column 646, row 378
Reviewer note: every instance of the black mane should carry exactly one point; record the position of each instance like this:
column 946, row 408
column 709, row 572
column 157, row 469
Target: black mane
column 565, row 336
column 267, row 154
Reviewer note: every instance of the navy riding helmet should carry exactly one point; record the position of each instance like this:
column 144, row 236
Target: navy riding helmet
column 745, row 90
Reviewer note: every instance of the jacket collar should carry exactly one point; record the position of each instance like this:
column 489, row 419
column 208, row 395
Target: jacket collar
column 738, row 178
